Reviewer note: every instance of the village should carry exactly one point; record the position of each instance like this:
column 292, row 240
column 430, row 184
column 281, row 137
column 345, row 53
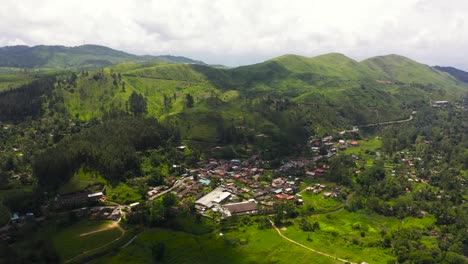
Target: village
column 225, row 188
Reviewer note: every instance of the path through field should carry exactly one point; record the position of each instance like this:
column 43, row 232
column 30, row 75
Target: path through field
column 306, row 247
column 110, row 226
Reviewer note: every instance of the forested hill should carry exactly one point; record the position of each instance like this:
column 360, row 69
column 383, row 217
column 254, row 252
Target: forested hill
column 85, row 56
column 287, row 98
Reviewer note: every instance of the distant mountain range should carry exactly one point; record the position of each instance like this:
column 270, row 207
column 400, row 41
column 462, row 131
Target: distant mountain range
column 459, row 74
column 82, row 57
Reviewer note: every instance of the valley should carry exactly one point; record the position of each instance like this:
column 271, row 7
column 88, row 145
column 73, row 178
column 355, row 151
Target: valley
column 109, row 157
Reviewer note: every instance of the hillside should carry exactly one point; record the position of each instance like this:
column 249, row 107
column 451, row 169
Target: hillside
column 284, row 96
column 288, row 95
column 85, row 56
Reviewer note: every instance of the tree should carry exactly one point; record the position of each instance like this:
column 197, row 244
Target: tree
column 341, row 169
column 157, row 251
column 170, row 199
column 137, row 104
column 189, row 100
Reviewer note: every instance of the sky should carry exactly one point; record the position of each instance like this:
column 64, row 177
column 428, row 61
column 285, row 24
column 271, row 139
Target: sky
column 240, row 32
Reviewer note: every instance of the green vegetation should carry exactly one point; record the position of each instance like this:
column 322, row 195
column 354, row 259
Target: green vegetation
column 247, row 245
column 70, row 242
column 82, row 180
column 400, row 196
column 123, row 194
column 85, row 56
column 317, row 203
column 355, row 236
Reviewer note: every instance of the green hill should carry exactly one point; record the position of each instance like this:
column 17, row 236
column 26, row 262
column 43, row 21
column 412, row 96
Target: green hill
column 288, row 95
column 83, row 57
column 287, row 98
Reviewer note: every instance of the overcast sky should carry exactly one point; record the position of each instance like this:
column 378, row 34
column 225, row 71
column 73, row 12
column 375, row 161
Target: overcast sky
column 242, row 32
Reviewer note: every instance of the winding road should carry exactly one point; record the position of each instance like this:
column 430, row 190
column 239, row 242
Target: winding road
column 388, row 122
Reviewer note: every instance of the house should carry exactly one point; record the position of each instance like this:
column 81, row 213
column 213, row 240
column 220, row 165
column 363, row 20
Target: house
column 95, row 196
column 15, row 218
column 278, row 191
column 132, row 205
column 181, row 148
column 235, row 162
column 116, row 214
column 216, row 196
column 278, row 182
column 440, row 104
column 242, row 208
column 319, row 172
column 355, row 144
column 77, row 199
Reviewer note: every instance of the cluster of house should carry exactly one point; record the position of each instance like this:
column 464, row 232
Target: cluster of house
column 240, row 186
column 105, row 213
column 319, row 188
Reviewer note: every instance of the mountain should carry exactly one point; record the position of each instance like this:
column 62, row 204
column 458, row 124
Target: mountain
column 459, row 74
column 288, row 97
column 82, row 57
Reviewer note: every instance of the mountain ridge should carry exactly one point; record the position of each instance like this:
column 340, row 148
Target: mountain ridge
column 83, row 56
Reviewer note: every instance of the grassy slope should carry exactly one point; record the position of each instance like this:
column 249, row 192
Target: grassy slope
column 339, row 234
column 69, row 243
column 80, row 181
column 257, row 246
column 331, row 92
column 338, row 230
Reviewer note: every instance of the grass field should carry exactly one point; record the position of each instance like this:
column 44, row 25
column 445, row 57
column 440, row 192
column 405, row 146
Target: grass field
column 366, row 150
column 319, row 203
column 80, row 181
column 69, row 243
column 122, row 194
column 357, row 236
column 247, row 245
column 354, row 236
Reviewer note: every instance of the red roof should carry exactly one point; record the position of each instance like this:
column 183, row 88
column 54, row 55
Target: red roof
column 319, row 170
column 279, row 196
column 355, row 143
column 290, row 197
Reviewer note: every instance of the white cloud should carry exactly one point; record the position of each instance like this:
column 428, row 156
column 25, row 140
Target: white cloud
column 237, row 32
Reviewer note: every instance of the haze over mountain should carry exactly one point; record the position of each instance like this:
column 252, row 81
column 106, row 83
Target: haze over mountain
column 85, row 56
